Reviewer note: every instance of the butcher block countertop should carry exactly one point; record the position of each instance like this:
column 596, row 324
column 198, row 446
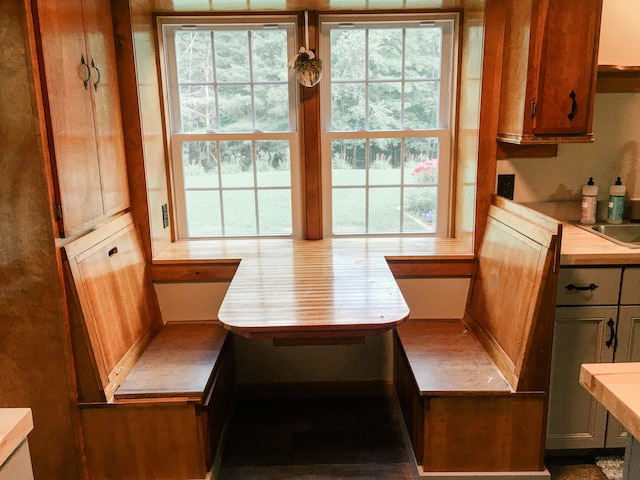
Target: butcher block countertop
column 615, row 386
column 316, row 288
column 15, row 425
column 580, row 247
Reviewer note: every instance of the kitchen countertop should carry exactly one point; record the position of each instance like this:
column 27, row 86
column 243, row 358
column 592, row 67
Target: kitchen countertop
column 15, row 425
column 580, row 247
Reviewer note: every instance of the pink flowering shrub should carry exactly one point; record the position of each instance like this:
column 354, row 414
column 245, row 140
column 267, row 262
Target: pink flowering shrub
column 427, row 166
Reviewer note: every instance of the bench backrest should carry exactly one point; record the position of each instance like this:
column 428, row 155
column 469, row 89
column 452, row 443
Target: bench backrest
column 113, row 309
column 512, row 297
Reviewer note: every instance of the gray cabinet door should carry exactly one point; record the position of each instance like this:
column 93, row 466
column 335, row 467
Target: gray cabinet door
column 581, row 335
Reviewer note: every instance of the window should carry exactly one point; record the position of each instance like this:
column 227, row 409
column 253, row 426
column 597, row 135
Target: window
column 233, row 125
column 386, row 117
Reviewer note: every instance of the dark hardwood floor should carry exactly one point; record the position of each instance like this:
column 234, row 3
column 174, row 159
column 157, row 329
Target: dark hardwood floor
column 346, row 438
column 335, row 438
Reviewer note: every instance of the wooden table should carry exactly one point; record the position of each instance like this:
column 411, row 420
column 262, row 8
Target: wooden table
column 319, row 290
column 617, row 387
column 311, row 289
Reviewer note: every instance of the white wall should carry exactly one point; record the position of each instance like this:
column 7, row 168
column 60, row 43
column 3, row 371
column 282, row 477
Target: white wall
column 619, row 33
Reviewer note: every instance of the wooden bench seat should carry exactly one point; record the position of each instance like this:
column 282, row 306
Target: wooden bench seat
column 474, row 390
column 153, row 397
column 446, row 358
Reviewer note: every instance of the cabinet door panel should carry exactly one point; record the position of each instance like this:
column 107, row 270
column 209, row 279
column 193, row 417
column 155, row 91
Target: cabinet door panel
column 72, row 135
column 628, row 351
column 568, row 66
column 575, row 419
column 106, row 96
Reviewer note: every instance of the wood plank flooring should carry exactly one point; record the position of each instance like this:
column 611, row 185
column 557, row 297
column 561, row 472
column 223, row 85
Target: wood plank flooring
column 320, row 439
column 332, row 439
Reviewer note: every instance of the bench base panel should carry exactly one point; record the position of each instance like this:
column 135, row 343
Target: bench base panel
column 543, row 475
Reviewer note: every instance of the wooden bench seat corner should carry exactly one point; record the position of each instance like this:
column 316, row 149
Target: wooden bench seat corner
column 473, row 391
column 153, row 397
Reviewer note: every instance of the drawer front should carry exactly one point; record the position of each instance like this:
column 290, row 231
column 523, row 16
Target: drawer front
column 588, row 286
column 630, row 293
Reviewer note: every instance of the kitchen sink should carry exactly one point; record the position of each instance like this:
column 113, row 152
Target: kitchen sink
column 626, row 234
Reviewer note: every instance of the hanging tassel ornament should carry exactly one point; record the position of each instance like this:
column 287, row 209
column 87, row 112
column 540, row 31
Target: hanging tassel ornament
column 307, row 66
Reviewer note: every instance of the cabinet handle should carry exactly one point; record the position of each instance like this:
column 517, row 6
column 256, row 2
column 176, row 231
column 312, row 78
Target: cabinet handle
column 613, row 339
column 95, row 84
column 571, row 286
column 574, row 106
column 113, row 251
column 85, row 80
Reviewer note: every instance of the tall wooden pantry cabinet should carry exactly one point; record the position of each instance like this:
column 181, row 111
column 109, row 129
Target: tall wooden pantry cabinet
column 81, row 97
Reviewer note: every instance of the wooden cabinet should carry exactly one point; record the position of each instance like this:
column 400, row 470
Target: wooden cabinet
column 592, row 325
column 82, row 103
column 549, row 71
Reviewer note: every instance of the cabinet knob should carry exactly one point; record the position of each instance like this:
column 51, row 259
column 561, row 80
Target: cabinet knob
column 574, row 106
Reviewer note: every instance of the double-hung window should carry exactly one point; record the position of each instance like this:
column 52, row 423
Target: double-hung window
column 387, row 115
column 232, row 125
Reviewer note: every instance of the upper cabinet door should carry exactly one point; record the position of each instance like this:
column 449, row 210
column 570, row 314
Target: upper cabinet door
column 568, row 68
column 549, row 71
column 70, row 113
column 106, row 95
column 80, row 74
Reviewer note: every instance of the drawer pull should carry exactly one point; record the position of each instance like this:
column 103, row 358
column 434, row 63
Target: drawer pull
column 612, row 339
column 571, row 286
column 113, row 251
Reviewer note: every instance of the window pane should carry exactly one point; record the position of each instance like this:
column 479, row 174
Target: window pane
column 349, row 162
column 385, row 160
column 194, row 56
column 198, row 109
column 236, row 114
column 203, row 213
column 274, row 207
column 269, row 55
column 348, row 106
column 199, row 165
column 236, row 164
column 239, row 212
column 272, row 108
column 384, row 106
column 421, row 161
column 384, row 210
column 232, row 55
column 273, row 164
column 385, row 53
column 420, row 209
column 348, row 58
column 423, row 52
column 421, row 105
column 349, row 208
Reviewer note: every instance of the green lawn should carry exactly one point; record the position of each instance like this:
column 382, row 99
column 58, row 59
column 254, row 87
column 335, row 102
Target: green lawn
column 349, row 213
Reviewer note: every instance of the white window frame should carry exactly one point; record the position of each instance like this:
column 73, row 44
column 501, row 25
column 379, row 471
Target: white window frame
column 445, row 133
column 167, row 24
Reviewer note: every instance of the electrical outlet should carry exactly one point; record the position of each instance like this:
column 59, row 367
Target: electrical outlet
column 165, row 215
column 506, row 183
